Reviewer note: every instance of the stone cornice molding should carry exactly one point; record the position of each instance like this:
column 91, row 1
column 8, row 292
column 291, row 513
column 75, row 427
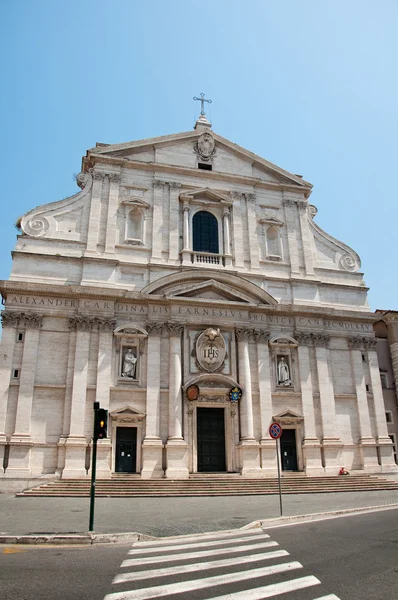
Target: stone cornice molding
column 154, row 328
column 174, row 329
column 10, row 319
column 81, row 323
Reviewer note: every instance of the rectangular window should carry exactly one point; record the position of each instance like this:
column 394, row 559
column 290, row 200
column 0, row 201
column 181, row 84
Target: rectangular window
column 205, row 167
column 384, row 380
column 19, row 336
column 15, row 374
column 389, row 416
column 367, row 387
column 363, row 358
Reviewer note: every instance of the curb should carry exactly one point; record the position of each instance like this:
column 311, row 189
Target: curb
column 88, row 539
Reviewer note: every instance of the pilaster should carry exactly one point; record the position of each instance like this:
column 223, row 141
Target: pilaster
column 307, row 237
column 157, row 216
column 253, row 237
column 174, row 221
column 290, row 210
column 227, row 237
column 19, row 463
column 113, row 205
column 311, row 445
column 152, row 447
column 267, row 445
column 238, row 230
column 95, row 210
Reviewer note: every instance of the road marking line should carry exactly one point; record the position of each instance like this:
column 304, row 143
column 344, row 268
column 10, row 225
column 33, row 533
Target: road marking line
column 188, row 555
column 162, row 591
column 274, row 589
column 197, row 567
column 13, row 550
column 328, row 597
column 201, row 536
column 195, row 545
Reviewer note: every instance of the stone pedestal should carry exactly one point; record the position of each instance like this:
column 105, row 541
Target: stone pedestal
column 250, row 454
column 269, row 466
column 152, row 463
column 368, row 449
column 312, row 456
column 75, row 458
column 104, row 458
column 177, row 459
column 331, row 448
column 19, row 461
column 386, row 455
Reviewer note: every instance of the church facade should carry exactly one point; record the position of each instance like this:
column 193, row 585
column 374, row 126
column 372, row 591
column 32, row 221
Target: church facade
column 188, row 289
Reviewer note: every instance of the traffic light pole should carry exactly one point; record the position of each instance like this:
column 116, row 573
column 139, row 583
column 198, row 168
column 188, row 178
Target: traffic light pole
column 93, row 470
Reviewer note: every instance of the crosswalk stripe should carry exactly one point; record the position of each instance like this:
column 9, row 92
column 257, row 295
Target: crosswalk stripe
column 162, row 591
column 170, row 548
column 328, row 597
column 189, row 555
column 267, row 591
column 197, row 567
column 202, row 536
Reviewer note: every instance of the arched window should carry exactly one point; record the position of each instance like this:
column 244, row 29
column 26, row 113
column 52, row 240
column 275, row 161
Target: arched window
column 205, row 232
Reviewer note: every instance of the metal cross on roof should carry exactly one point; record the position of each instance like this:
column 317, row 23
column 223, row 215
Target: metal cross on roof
column 202, row 101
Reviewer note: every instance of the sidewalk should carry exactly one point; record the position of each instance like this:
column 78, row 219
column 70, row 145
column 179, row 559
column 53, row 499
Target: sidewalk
column 162, row 517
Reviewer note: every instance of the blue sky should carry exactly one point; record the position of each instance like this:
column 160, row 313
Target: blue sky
column 310, row 85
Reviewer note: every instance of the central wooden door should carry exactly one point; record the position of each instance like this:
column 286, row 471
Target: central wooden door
column 288, row 450
column 210, row 440
column 126, row 450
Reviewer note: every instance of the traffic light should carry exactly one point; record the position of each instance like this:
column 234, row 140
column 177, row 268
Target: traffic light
column 101, row 424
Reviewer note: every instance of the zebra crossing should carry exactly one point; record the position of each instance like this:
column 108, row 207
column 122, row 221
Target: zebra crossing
column 240, row 565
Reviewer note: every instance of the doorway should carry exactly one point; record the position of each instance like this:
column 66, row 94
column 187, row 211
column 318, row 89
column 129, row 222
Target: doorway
column 288, row 450
column 126, row 450
column 210, row 440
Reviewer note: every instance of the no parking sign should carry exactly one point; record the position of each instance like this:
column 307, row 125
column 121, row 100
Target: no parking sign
column 275, row 431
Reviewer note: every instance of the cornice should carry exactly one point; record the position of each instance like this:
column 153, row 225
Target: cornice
column 192, row 172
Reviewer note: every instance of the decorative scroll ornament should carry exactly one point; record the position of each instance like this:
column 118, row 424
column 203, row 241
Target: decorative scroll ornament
column 37, row 226
column 210, row 350
column 192, row 392
column 348, row 263
column 235, row 394
column 205, row 147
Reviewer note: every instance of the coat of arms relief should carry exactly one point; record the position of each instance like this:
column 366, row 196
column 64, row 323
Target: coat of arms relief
column 210, row 350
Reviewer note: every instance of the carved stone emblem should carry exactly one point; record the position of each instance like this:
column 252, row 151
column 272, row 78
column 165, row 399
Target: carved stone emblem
column 205, row 147
column 210, row 350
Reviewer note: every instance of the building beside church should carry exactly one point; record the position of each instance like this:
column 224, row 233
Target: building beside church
column 188, row 289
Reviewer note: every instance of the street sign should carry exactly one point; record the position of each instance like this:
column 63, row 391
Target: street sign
column 275, row 431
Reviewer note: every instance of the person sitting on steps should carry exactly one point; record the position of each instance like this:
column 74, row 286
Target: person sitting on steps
column 343, row 471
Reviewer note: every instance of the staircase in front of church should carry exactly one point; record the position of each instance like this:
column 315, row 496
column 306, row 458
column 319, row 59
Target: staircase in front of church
column 210, row 485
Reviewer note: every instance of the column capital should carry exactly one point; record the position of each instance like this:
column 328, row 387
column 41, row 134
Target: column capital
column 304, row 338
column 225, row 211
column 33, row 320
column 185, row 207
column 237, row 195
column 98, row 176
column 288, row 203
column 81, row 323
column 261, row 335
column 158, row 183
column 154, row 328
column 243, row 334
column 370, row 344
column 356, row 342
column 302, row 204
column 174, row 185
column 174, row 329
column 105, row 323
column 320, row 339
column 10, row 319
column 251, row 197
column 115, row 177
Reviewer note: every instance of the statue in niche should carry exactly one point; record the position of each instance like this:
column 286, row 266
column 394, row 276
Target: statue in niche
column 129, row 364
column 283, row 375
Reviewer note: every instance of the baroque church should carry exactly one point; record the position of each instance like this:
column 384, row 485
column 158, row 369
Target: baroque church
column 188, row 289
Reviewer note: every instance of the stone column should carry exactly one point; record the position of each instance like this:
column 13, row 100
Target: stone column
column 307, row 238
column 95, row 211
column 385, row 447
column 227, row 237
column 267, row 444
column 68, row 402
column 249, row 447
column 253, row 237
column 331, row 444
column 186, row 252
column 366, row 440
column 311, row 445
column 10, row 322
column 106, row 326
column 290, row 212
column 238, row 230
column 152, row 447
column 174, row 235
column 176, row 448
column 157, row 217
column 20, row 460
column 113, row 205
column 76, row 444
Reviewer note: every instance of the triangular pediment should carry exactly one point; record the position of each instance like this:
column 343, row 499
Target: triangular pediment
column 127, row 412
column 212, row 290
column 205, row 194
column 154, row 150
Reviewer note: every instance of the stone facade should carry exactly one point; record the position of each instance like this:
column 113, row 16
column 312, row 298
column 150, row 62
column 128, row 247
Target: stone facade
column 115, row 297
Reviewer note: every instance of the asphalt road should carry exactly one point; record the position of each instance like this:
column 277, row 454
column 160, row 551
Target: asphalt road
column 350, row 558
